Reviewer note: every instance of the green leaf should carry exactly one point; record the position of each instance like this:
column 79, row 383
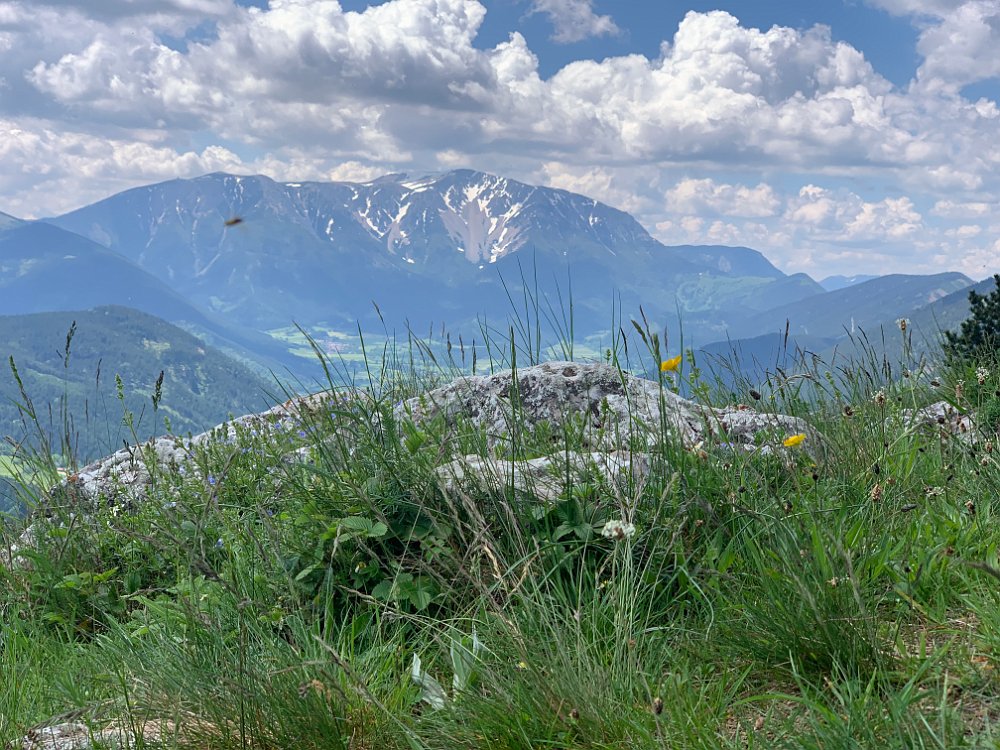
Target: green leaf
column 420, row 598
column 431, row 691
column 305, row 572
column 363, row 526
column 383, row 591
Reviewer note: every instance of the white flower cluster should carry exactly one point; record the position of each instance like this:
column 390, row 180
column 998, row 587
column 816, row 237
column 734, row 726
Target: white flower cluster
column 981, row 374
column 618, row 530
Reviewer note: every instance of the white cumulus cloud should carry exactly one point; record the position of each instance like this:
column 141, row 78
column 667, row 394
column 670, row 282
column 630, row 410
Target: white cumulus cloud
column 708, row 196
column 574, row 20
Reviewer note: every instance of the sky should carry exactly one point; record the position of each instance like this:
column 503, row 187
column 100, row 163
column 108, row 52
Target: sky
column 835, row 136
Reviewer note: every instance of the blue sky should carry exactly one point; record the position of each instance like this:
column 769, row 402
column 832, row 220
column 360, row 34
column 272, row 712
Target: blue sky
column 844, row 136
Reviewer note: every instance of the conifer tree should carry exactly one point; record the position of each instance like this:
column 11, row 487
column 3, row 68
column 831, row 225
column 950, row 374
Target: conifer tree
column 979, row 336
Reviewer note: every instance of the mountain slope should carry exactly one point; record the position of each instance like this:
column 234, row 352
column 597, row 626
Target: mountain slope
column 44, row 268
column 863, row 305
column 201, row 386
column 948, row 312
column 7, row 221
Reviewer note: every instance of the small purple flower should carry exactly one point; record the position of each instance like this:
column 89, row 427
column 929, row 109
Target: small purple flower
column 302, row 433
column 212, row 480
column 219, row 544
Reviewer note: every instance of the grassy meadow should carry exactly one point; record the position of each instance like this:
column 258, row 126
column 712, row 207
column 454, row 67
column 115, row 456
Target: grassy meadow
column 836, row 596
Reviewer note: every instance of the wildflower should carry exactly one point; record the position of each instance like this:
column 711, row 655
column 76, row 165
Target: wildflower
column 574, row 714
column 879, row 398
column 876, row 493
column 834, row 581
column 618, row 530
column 848, row 411
column 219, row 544
column 212, row 480
column 657, row 705
column 792, row 440
column 981, row 374
column 671, row 365
column 959, row 390
column 302, row 433
column 930, row 492
column 903, row 324
column 522, row 666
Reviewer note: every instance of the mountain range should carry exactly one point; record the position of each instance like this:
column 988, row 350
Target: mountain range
column 242, row 260
column 425, row 249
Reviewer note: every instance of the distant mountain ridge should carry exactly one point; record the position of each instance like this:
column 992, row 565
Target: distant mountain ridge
column 863, row 305
column 7, row 221
column 833, row 283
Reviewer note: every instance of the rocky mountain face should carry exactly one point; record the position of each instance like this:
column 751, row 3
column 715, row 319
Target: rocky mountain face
column 264, row 253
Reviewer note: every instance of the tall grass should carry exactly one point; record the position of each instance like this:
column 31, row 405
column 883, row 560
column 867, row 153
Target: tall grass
column 834, row 595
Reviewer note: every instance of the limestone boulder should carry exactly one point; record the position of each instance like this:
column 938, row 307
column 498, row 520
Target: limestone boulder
column 548, row 477
column 612, row 410
column 617, row 419
column 944, row 419
column 125, row 477
column 112, row 735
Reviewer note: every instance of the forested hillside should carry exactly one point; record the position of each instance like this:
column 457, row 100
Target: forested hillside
column 79, row 367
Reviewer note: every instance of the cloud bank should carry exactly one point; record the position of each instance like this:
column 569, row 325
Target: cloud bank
column 784, row 139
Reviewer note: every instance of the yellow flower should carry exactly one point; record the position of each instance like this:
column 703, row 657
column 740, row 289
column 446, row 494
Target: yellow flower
column 792, row 440
column 671, row 364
